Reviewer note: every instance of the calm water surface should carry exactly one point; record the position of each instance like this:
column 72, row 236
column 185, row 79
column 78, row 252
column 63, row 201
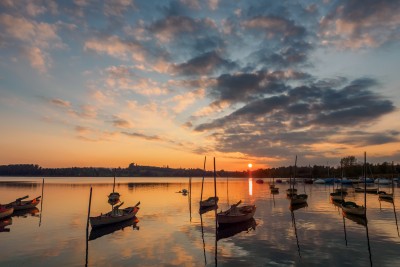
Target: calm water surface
column 169, row 230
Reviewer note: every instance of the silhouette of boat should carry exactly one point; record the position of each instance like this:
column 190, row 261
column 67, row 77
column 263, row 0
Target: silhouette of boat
column 352, row 208
column 5, row 211
column 19, row 204
column 114, row 216
column 236, row 214
column 209, row 202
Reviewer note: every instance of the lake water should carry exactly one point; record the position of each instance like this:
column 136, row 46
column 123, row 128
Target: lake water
column 169, row 231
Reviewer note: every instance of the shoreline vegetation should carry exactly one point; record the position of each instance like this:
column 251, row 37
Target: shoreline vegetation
column 351, row 169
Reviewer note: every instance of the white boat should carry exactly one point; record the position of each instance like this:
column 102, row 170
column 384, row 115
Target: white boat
column 350, row 207
column 5, row 211
column 209, row 202
column 114, row 216
column 19, row 204
column 382, row 181
column 319, row 181
column 236, row 214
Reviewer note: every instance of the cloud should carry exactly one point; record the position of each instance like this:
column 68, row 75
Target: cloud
column 120, row 122
column 33, row 38
column 173, row 26
column 117, row 7
column 116, row 47
column 301, row 117
column 354, row 25
column 125, row 78
column 60, row 102
column 206, row 63
column 143, row 136
column 274, row 26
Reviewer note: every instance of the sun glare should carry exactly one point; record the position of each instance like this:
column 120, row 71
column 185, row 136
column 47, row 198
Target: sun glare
column 249, row 165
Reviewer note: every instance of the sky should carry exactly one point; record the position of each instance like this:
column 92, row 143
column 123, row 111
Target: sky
column 165, row 83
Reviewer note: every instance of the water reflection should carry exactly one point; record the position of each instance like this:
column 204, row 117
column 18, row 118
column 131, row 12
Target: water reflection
column 4, row 223
column 229, row 230
column 34, row 212
column 106, row 230
column 171, row 236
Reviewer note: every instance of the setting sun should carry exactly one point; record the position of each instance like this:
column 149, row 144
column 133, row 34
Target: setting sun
column 249, row 165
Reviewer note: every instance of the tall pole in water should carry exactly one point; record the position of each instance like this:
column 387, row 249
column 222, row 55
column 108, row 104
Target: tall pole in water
column 365, row 182
column 202, row 182
column 41, row 204
column 215, row 181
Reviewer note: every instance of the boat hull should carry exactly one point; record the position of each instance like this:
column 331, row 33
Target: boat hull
column 226, row 218
column 210, row 202
column 298, row 199
column 6, row 212
column 352, row 208
column 109, row 218
column 24, row 205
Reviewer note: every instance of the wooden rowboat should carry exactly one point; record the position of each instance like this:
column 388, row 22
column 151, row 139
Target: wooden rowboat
column 6, row 211
column 19, row 204
column 114, row 216
column 298, row 199
column 350, row 207
column 236, row 214
column 209, row 202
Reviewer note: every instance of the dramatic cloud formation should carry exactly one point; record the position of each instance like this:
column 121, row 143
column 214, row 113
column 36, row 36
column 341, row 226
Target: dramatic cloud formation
column 258, row 79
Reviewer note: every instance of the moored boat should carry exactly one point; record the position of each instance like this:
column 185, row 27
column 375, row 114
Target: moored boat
column 275, row 190
column 114, row 216
column 19, row 204
column 298, row 199
column 350, row 207
column 371, row 190
column 236, row 214
column 6, row 211
column 319, row 181
column 382, row 181
column 209, row 202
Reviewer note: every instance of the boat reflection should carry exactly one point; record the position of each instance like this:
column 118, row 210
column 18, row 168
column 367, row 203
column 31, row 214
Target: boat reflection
column 294, row 207
column 362, row 221
column 228, row 230
column 394, row 212
column 33, row 212
column 355, row 218
column 4, row 223
column 109, row 229
column 295, row 231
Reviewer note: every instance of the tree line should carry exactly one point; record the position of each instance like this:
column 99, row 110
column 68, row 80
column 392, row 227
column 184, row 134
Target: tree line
column 349, row 168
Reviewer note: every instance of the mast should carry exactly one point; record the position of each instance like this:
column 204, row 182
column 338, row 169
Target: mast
column 294, row 175
column 365, row 182
column 202, row 182
column 215, row 181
